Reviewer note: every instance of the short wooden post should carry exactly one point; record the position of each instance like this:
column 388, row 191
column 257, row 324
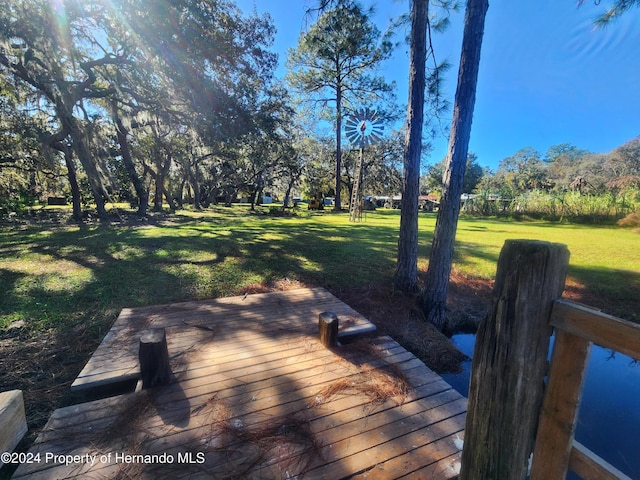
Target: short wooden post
column 328, row 324
column 510, row 361
column 154, row 358
column 13, row 422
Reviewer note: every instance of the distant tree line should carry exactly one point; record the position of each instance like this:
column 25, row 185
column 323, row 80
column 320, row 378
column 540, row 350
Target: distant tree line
column 566, row 183
column 176, row 104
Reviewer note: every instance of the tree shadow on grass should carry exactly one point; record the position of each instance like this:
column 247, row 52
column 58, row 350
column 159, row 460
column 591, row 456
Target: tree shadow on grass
column 614, row 291
column 124, row 266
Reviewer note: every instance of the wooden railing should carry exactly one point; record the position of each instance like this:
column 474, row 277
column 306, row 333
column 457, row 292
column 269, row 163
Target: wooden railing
column 516, row 425
column 577, row 327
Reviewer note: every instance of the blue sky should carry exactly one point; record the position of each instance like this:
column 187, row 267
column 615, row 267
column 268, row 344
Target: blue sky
column 547, row 75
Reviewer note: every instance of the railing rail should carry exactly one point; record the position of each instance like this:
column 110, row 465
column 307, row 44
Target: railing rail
column 589, row 465
column 597, row 327
column 577, row 327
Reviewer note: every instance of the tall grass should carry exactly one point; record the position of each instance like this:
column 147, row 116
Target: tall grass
column 571, row 206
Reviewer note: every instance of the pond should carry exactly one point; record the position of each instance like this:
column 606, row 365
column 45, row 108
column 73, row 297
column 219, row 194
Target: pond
column 609, row 417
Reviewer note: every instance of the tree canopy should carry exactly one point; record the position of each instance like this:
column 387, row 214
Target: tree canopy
column 613, row 10
column 163, row 70
column 334, row 63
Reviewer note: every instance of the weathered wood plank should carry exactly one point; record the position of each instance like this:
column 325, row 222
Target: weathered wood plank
column 252, row 373
column 189, row 337
column 590, row 466
column 337, row 408
column 602, row 329
column 180, row 343
column 560, row 407
column 334, row 407
column 379, row 422
column 137, row 319
column 342, row 457
column 279, row 314
column 419, row 462
column 13, row 422
column 447, row 468
column 363, row 440
column 260, row 321
column 286, row 378
column 257, row 308
column 294, row 399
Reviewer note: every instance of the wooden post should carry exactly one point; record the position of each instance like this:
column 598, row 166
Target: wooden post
column 13, row 422
column 510, row 361
column 328, row 324
column 560, row 408
column 154, row 358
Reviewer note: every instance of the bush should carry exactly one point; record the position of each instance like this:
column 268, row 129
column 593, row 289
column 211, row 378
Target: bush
column 631, row 220
column 16, row 203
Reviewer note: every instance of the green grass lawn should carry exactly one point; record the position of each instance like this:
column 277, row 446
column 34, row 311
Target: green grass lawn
column 63, row 276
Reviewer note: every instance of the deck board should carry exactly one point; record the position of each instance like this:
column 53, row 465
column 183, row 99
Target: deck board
column 284, row 314
column 256, row 395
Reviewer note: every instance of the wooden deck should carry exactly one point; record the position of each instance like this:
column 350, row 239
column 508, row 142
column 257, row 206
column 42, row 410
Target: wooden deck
column 255, row 395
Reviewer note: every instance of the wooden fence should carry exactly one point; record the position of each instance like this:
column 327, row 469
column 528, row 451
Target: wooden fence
column 518, row 423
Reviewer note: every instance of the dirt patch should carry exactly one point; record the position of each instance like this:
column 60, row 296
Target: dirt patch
column 275, row 285
column 627, row 308
column 398, row 316
column 43, row 367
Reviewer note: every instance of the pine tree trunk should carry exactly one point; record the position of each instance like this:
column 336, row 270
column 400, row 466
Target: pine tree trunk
column 338, row 204
column 434, row 296
column 406, row 275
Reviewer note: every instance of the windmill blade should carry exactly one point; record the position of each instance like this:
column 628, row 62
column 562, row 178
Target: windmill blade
column 376, row 137
column 364, row 127
column 351, row 122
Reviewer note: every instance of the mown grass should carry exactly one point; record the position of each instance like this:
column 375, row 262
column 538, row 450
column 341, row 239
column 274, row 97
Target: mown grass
column 604, row 260
column 61, row 276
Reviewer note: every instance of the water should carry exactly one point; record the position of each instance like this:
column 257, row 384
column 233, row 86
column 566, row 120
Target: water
column 609, row 417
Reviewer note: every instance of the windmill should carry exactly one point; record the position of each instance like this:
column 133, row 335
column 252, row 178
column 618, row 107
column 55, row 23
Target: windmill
column 363, row 128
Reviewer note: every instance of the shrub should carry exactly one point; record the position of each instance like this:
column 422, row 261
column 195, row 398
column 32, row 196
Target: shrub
column 631, row 220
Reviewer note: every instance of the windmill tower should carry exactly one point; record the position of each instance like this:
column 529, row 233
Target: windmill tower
column 363, row 128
